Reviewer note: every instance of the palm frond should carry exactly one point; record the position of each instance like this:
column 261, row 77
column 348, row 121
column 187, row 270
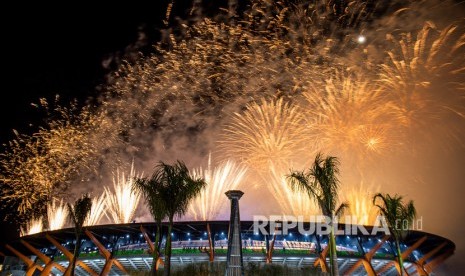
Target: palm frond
column 396, row 213
column 321, row 182
column 300, row 181
column 170, row 189
column 150, row 190
column 341, row 209
column 79, row 211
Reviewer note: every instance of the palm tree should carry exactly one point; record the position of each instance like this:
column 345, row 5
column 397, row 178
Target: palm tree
column 399, row 217
column 320, row 182
column 78, row 214
column 150, row 188
column 175, row 189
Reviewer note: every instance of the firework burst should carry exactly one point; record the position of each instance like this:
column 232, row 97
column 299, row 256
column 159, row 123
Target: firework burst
column 38, row 167
column 97, row 211
column 122, row 203
column 33, row 226
column 361, row 206
column 226, row 176
column 266, row 132
column 424, row 75
column 57, row 214
column 348, row 115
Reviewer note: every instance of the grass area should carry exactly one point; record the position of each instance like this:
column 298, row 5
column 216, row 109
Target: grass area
column 348, row 254
column 384, row 256
column 131, row 252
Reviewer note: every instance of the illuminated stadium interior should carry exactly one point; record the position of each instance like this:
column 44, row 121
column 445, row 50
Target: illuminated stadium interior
column 125, row 248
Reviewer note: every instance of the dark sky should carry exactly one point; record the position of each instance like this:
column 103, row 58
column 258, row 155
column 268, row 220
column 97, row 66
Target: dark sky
column 49, row 51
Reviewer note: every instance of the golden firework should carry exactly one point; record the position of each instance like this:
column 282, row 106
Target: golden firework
column 33, row 226
column 347, row 115
column 97, row 211
column 424, row 74
column 266, row 132
column 226, row 176
column 122, row 203
column 57, row 213
column 361, row 208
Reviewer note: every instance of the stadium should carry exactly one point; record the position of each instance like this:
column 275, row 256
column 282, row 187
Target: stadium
column 122, row 249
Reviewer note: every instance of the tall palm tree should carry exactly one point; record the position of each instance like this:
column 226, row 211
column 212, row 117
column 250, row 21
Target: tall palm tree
column 175, row 189
column 78, row 213
column 150, row 188
column 399, row 217
column 320, row 182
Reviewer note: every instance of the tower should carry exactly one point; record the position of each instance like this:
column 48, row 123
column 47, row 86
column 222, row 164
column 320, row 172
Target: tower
column 234, row 265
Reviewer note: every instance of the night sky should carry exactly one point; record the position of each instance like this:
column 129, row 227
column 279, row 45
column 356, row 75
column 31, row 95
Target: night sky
column 47, row 53
column 67, row 51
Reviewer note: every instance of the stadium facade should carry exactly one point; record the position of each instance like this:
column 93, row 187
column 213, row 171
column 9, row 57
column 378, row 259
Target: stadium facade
column 121, row 248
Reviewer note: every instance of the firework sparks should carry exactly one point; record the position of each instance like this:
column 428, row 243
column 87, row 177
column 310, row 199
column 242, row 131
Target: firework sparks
column 425, row 74
column 38, row 167
column 57, row 214
column 266, row 132
column 215, row 69
column 348, row 115
column 98, row 210
column 122, row 203
column 291, row 202
column 361, row 206
column 32, row 227
column 226, row 176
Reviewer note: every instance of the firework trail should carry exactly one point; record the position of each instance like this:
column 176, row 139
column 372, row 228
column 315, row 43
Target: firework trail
column 226, row 176
column 416, row 62
column 98, row 210
column 291, row 202
column 32, row 227
column 360, row 200
column 122, row 203
column 57, row 214
column 424, row 77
